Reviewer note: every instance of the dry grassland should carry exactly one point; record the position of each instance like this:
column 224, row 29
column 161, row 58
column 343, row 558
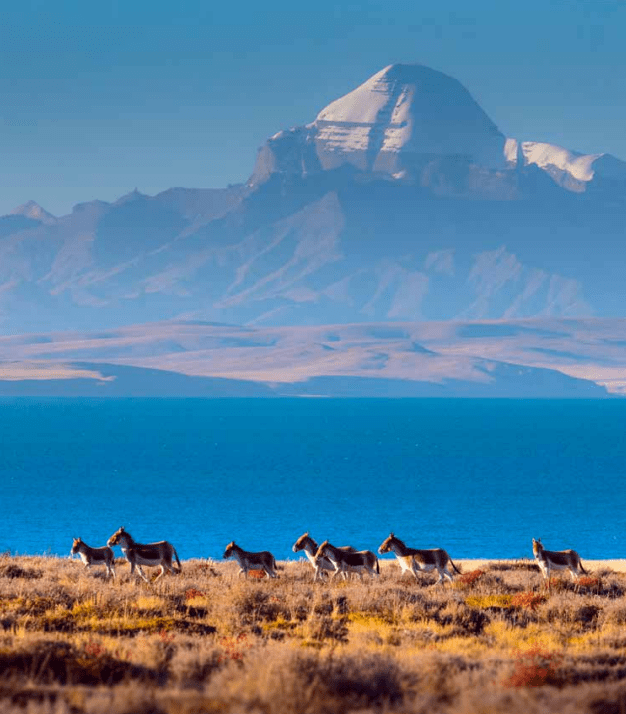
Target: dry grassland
column 208, row 641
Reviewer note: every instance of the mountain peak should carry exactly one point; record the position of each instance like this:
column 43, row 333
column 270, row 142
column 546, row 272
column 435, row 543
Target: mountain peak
column 134, row 195
column 33, row 210
column 402, row 117
column 397, row 122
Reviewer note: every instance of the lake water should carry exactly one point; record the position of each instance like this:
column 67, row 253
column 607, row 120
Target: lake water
column 479, row 478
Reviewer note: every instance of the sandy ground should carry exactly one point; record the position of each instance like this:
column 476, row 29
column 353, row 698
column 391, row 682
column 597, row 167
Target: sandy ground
column 469, row 564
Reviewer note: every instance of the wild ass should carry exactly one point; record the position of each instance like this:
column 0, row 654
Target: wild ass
column 263, row 560
column 549, row 560
column 91, row 556
column 138, row 554
column 413, row 560
column 348, row 562
column 309, row 546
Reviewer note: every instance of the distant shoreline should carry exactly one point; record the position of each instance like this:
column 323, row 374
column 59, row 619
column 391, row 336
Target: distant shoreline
column 617, row 565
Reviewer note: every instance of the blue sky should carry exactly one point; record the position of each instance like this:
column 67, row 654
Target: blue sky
column 100, row 98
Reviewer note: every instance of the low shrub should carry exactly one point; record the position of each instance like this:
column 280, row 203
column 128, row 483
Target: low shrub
column 535, row 667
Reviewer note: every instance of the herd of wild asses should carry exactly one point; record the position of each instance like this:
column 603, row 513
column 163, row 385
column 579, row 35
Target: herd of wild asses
column 325, row 558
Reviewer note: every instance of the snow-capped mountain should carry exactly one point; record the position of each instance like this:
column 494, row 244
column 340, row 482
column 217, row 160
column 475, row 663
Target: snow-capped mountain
column 401, row 200
column 407, row 121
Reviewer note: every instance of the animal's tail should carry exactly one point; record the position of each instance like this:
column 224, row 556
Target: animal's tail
column 453, row 565
column 580, row 564
column 377, row 566
column 180, row 567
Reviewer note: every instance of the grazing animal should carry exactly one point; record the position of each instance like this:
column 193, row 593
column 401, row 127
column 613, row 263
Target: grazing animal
column 89, row 555
column 413, row 560
column 251, row 561
column 138, row 554
column 348, row 562
column 549, row 560
column 309, row 546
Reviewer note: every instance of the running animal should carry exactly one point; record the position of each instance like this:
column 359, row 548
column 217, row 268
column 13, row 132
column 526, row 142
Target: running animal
column 346, row 562
column 138, row 554
column 91, row 556
column 309, row 546
column 251, row 561
column 413, row 560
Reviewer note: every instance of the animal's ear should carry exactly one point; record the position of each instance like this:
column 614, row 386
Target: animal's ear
column 307, row 533
column 391, row 535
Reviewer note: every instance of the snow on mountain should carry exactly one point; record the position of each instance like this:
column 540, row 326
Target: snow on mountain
column 556, row 160
column 403, row 115
column 414, row 123
column 33, row 210
column 580, row 166
column 395, row 123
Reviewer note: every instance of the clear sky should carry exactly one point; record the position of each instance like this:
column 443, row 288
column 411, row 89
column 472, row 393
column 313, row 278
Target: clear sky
column 100, row 98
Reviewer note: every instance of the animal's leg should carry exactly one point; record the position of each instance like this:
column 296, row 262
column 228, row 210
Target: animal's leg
column 140, row 571
column 162, row 573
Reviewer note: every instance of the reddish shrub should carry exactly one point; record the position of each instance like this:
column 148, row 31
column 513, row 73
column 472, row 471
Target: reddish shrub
column 589, row 581
column 531, row 601
column 470, row 578
column 234, row 647
column 256, row 574
column 535, row 668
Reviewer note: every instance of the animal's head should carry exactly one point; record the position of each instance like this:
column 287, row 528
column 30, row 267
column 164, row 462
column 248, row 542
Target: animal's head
column 537, row 546
column 77, row 542
column 385, row 546
column 300, row 543
column 117, row 537
column 321, row 551
column 229, row 550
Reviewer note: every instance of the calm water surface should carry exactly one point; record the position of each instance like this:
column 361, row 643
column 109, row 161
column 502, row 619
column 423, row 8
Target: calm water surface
column 477, row 477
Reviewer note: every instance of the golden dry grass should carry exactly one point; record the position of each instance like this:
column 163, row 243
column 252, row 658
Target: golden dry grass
column 72, row 641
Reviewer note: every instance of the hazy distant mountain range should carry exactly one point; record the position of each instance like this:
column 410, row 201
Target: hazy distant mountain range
column 400, row 202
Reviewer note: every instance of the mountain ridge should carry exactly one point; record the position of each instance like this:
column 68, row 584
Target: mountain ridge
column 404, row 201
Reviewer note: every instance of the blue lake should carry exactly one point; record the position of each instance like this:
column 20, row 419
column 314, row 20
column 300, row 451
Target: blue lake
column 477, row 477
